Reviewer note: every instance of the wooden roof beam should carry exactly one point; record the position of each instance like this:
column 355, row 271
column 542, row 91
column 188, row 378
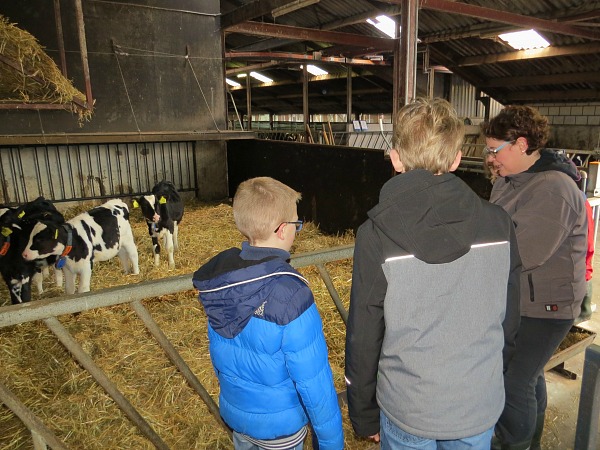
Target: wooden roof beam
column 536, row 80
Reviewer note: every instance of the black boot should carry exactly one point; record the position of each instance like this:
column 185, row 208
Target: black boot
column 536, row 440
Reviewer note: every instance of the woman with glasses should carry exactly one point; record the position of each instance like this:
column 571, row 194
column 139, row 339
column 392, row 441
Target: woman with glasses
column 536, row 187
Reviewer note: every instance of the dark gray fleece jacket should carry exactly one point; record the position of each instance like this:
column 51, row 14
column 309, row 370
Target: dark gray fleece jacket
column 434, row 307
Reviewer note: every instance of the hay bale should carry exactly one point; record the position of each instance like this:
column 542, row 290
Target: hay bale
column 36, row 77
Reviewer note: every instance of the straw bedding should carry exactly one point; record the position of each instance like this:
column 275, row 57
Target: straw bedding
column 40, row 371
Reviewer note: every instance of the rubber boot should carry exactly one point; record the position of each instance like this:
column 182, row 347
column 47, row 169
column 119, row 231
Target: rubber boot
column 536, row 440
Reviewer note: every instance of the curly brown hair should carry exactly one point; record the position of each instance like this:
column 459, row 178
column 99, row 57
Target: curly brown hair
column 514, row 122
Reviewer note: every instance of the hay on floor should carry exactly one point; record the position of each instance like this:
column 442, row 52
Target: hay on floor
column 37, row 368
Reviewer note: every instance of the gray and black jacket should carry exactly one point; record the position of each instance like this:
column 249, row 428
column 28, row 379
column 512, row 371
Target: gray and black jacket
column 548, row 210
column 434, row 309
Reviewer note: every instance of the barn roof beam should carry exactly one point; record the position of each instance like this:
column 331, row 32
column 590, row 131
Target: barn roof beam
column 549, row 96
column 548, row 52
column 250, row 11
column 308, row 34
column 315, row 56
column 495, row 15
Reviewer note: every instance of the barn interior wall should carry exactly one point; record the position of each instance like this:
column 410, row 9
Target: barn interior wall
column 573, row 125
column 338, row 185
column 155, row 67
column 151, row 68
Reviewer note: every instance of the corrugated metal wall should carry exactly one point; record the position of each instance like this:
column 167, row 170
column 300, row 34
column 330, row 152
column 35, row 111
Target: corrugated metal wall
column 463, row 97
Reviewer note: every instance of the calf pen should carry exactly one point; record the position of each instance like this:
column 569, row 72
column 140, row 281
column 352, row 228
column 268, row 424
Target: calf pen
column 120, row 403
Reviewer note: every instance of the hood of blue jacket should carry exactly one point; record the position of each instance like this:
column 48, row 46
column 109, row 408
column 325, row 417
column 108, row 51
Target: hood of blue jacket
column 552, row 160
column 231, row 288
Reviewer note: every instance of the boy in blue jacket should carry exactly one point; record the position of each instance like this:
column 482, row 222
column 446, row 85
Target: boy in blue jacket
column 266, row 337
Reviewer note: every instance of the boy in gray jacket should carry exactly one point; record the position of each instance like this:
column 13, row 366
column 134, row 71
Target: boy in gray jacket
column 434, row 305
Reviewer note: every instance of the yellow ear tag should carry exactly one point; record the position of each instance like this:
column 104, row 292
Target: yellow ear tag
column 6, row 231
column 56, row 234
column 162, row 200
column 21, row 214
column 135, row 204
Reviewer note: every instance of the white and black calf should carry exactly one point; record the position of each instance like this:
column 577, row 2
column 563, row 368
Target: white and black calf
column 16, row 226
column 163, row 211
column 96, row 235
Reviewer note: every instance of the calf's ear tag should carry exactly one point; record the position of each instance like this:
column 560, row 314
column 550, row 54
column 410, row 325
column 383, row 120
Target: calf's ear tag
column 60, row 262
column 162, row 200
column 135, row 204
column 21, row 214
column 6, row 231
column 4, row 248
column 56, row 234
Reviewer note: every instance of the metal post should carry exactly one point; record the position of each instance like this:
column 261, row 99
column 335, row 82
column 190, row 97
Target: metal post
column 586, row 433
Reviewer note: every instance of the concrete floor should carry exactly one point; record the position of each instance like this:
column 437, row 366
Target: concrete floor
column 563, row 393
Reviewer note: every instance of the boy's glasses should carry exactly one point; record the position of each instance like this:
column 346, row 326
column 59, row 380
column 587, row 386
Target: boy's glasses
column 297, row 223
column 493, row 151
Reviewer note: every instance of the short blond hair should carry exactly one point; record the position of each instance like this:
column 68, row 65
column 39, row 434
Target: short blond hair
column 428, row 135
column 261, row 204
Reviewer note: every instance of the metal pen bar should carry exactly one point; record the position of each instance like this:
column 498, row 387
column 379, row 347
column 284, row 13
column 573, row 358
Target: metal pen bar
column 30, row 420
column 586, row 434
column 178, row 361
column 102, row 379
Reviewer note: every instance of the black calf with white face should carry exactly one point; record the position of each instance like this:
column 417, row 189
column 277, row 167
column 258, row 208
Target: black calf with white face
column 17, row 224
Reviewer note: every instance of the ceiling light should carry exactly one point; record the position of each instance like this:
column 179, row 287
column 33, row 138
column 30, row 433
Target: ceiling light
column 314, row 70
column 260, row 77
column 524, row 40
column 385, row 25
column 292, row 6
column 232, row 83
column 242, row 75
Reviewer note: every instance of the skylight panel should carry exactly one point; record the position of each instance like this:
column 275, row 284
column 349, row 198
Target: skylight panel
column 260, row 77
column 314, row 70
column 385, row 25
column 232, row 83
column 524, row 40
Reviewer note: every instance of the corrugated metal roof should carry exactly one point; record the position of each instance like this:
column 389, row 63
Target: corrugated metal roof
column 467, row 45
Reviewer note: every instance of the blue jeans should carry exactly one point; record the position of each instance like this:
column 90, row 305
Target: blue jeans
column 240, row 443
column 393, row 438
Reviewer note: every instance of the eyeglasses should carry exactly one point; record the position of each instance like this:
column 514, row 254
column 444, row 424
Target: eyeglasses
column 493, row 151
column 298, row 224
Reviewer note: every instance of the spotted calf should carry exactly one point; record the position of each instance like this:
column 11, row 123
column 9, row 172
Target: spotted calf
column 163, row 211
column 96, row 235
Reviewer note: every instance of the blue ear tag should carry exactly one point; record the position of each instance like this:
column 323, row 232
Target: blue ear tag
column 60, row 262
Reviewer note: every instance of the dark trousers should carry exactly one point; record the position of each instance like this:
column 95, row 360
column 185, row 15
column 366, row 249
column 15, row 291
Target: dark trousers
column 524, row 381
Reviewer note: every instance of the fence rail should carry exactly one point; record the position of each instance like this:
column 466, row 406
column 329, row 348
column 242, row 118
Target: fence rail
column 47, row 310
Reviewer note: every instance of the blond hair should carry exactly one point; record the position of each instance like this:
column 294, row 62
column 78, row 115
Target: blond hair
column 428, row 135
column 261, row 204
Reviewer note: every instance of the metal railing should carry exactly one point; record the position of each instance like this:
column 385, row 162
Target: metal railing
column 586, row 434
column 47, row 310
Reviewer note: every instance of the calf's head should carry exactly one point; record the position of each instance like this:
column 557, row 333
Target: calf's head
column 43, row 242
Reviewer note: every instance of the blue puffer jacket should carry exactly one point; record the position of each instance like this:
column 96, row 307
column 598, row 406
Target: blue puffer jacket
column 267, row 346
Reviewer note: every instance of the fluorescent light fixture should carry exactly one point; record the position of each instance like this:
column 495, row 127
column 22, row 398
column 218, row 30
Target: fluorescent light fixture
column 385, row 25
column 524, row 40
column 232, row 83
column 292, row 6
column 314, row 70
column 260, row 77
column 242, row 75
